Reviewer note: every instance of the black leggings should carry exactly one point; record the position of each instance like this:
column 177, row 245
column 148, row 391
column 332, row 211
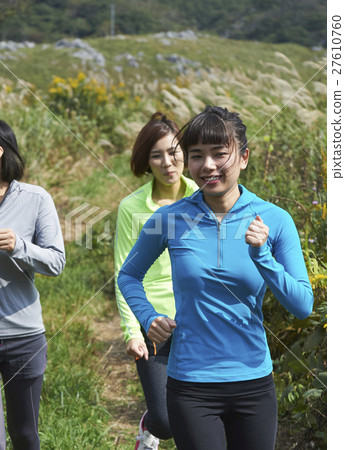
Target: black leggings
column 22, row 364
column 218, row 416
column 153, row 377
column 22, row 406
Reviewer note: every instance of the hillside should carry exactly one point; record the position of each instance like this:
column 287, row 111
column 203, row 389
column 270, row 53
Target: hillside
column 147, row 59
column 275, row 21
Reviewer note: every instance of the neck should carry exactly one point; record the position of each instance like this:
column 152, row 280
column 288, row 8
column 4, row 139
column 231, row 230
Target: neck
column 223, row 203
column 3, row 185
column 3, row 189
column 163, row 194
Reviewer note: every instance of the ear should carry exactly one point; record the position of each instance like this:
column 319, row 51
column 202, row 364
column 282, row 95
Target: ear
column 1, row 151
column 244, row 159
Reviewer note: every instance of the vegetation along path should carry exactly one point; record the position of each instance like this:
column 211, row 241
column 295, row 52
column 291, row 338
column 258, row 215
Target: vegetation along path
column 123, row 400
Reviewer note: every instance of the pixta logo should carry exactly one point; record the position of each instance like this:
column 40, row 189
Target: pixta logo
column 84, row 217
column 189, row 227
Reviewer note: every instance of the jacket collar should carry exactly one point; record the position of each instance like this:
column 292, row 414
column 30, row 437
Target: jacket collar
column 244, row 200
column 12, row 190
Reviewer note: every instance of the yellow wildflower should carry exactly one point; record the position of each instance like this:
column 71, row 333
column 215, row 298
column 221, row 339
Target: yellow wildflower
column 58, row 80
column 81, row 76
column 74, row 82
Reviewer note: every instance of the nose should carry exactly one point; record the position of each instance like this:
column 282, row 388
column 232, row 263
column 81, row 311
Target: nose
column 209, row 164
column 167, row 160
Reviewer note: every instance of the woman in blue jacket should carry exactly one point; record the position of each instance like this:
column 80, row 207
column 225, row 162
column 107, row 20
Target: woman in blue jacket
column 226, row 245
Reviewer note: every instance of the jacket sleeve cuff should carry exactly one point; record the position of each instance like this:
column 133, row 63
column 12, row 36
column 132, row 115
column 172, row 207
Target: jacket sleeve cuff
column 18, row 247
column 150, row 320
column 133, row 335
column 258, row 252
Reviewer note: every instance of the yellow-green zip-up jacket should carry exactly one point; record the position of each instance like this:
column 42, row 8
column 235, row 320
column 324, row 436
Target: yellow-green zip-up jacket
column 133, row 212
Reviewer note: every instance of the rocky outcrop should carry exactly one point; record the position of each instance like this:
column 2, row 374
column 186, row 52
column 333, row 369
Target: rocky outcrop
column 85, row 51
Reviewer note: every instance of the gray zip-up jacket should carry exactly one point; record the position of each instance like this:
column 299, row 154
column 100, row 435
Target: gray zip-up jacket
column 30, row 212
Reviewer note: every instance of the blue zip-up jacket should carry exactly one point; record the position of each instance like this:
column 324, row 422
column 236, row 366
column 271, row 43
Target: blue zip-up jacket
column 30, row 212
column 219, row 283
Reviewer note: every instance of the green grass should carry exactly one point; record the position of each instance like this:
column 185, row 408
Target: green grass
column 72, row 414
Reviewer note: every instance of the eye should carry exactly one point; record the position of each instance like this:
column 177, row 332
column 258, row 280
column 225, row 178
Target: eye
column 155, row 156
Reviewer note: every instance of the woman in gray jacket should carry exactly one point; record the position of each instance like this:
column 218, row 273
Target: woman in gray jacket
column 30, row 242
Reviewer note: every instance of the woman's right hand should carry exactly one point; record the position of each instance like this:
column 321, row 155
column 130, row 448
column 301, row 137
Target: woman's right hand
column 136, row 347
column 7, row 239
column 161, row 329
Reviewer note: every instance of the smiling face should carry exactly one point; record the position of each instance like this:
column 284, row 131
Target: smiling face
column 216, row 168
column 166, row 161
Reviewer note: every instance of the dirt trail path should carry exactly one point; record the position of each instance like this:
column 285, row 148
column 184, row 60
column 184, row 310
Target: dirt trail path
column 124, row 401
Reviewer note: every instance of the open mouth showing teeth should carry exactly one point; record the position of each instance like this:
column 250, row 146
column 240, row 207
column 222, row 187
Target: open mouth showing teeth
column 211, row 178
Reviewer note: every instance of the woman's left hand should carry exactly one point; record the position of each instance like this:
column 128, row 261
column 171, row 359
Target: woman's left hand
column 257, row 233
column 7, row 239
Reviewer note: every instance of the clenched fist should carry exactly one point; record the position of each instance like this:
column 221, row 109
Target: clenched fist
column 161, row 329
column 257, row 233
column 7, row 239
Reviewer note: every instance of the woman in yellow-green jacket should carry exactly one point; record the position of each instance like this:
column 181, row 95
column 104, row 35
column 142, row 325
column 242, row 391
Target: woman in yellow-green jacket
column 154, row 151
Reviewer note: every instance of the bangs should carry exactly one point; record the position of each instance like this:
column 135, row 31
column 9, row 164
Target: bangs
column 205, row 129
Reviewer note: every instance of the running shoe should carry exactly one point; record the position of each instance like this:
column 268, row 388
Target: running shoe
column 145, row 440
